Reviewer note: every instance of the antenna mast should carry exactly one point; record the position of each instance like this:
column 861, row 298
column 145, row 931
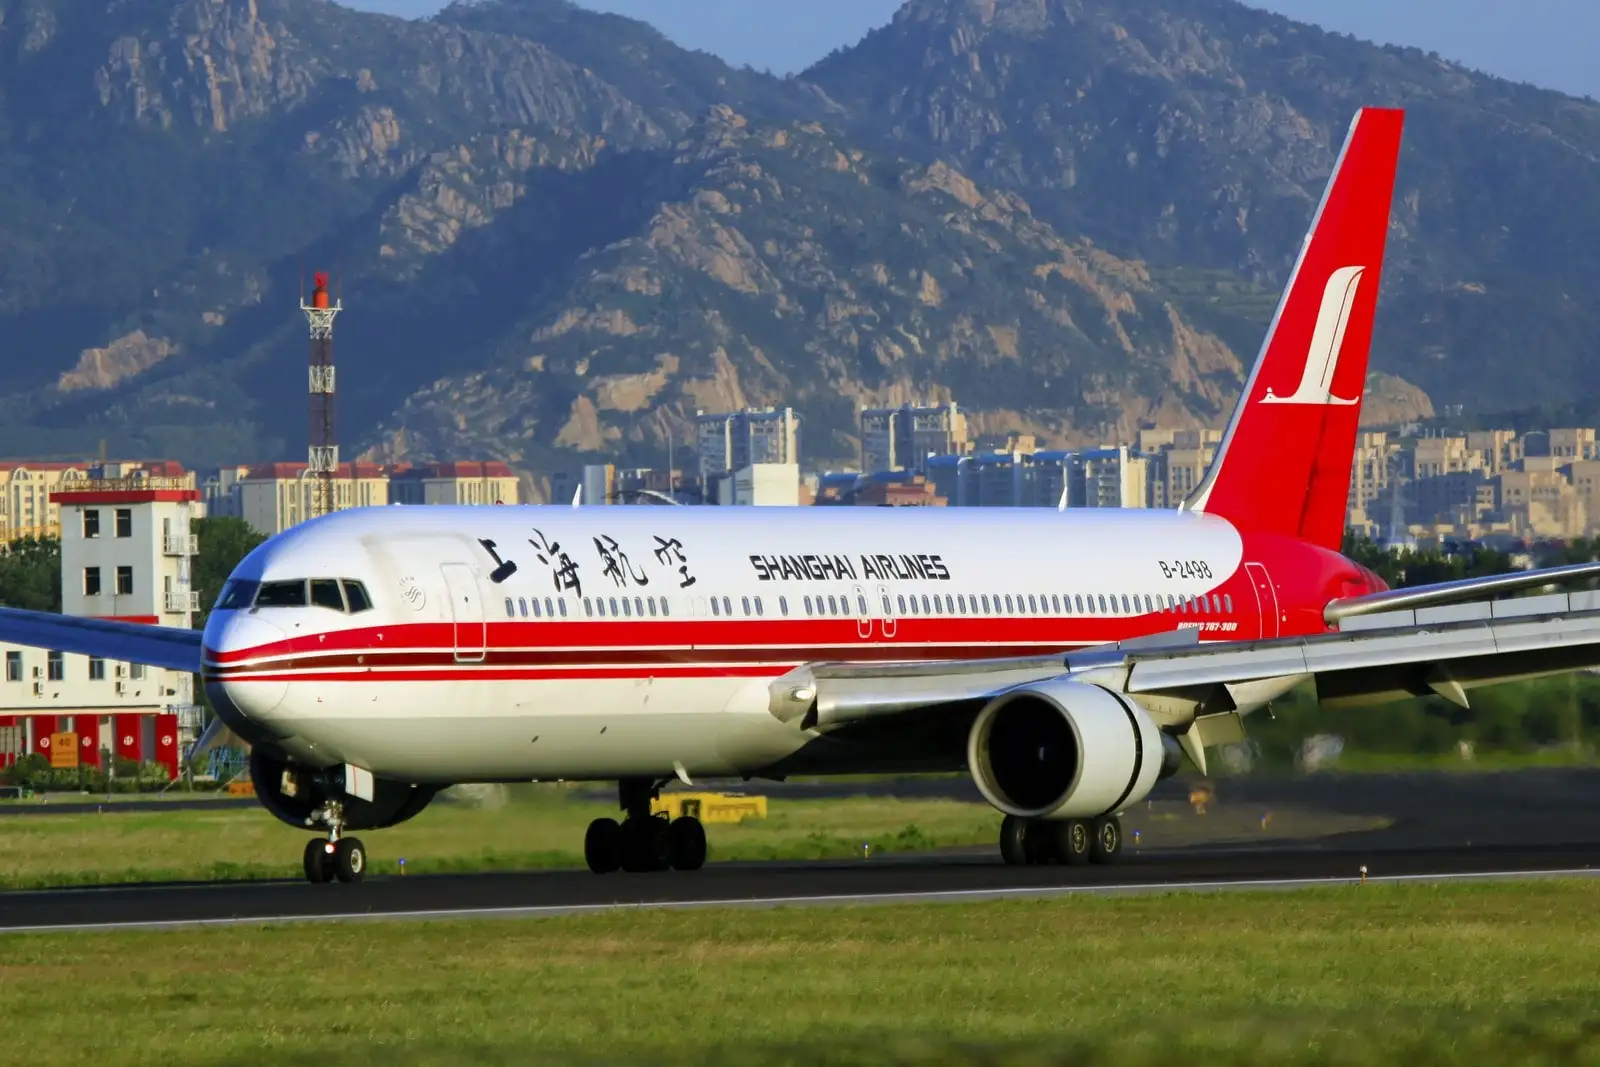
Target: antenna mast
column 322, row 456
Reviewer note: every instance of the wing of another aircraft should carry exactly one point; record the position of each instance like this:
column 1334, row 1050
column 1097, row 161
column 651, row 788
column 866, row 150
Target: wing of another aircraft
column 154, row 646
column 1427, row 596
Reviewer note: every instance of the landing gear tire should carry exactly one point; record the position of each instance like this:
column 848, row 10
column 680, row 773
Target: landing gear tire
column 1013, row 841
column 602, row 846
column 349, row 859
column 1074, row 842
column 646, row 845
column 687, row 844
column 1039, row 844
column 1107, row 844
column 318, row 864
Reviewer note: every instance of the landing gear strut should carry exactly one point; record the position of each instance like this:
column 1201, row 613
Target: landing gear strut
column 1043, row 842
column 643, row 841
column 335, row 856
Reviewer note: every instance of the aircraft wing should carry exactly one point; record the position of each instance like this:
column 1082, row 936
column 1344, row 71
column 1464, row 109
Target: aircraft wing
column 1444, row 650
column 133, row 642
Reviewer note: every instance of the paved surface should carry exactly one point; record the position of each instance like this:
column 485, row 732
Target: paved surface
column 1445, row 826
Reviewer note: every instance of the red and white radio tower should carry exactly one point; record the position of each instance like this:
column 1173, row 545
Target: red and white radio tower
column 323, row 455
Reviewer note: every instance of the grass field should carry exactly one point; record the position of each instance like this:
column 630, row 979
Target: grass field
column 539, row 828
column 1368, row 975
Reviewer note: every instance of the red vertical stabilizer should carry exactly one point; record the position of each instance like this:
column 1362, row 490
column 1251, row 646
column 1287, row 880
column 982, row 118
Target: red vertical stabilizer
column 1284, row 463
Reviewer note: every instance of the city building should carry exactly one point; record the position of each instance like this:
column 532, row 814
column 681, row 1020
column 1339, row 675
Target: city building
column 455, row 483
column 733, row 441
column 126, row 553
column 27, row 504
column 766, row 485
column 276, row 496
column 903, row 438
column 223, row 491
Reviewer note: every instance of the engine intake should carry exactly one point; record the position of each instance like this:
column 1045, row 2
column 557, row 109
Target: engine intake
column 1067, row 750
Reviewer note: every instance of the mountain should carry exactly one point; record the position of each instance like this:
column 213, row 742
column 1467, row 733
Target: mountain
column 558, row 234
column 1199, row 133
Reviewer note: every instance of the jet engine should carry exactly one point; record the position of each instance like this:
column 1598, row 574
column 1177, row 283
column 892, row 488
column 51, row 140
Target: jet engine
column 1061, row 749
column 294, row 793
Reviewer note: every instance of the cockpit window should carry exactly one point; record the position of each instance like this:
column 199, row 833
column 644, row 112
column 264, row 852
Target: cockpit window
column 325, row 594
column 237, row 595
column 356, row 594
column 282, row 594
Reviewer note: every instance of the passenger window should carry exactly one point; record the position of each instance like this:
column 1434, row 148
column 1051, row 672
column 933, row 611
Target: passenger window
column 1148, row 605
column 549, row 608
column 925, row 609
column 1055, row 603
column 1033, row 605
column 510, row 608
column 1008, row 604
column 1216, row 603
column 716, row 609
column 588, row 608
column 759, row 610
column 666, row 609
column 949, row 604
column 783, row 605
column 861, row 606
column 961, row 603
column 1127, row 609
column 807, row 601
column 727, row 607
column 627, row 608
column 833, row 606
column 938, row 608
column 1227, row 602
column 1103, row 609
column 902, row 600
column 562, row 602
column 888, row 610
column 745, row 601
column 282, row 595
column 537, row 613
column 652, row 602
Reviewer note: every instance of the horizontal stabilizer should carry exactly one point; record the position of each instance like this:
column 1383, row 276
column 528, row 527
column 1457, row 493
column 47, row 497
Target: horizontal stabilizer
column 171, row 647
column 1427, row 596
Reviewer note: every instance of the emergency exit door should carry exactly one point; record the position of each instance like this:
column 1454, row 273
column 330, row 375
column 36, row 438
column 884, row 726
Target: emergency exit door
column 466, row 612
column 1266, row 598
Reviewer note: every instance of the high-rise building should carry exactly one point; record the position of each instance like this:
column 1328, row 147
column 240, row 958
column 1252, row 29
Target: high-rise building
column 903, row 438
column 734, row 440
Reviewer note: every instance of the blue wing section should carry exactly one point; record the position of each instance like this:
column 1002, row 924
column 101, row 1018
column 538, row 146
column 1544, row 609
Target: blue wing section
column 155, row 646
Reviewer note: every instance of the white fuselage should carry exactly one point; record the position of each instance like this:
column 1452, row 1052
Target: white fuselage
column 517, row 643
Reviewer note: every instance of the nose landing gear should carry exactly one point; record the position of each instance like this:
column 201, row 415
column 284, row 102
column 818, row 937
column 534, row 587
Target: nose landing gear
column 335, row 856
column 643, row 841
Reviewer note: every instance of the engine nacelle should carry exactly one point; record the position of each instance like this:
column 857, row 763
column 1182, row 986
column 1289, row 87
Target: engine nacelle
column 1061, row 749
column 293, row 793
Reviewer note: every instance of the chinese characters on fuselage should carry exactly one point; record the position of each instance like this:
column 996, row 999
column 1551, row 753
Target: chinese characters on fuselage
column 615, row 562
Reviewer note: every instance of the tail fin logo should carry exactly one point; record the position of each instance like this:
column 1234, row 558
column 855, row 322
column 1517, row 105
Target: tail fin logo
column 1322, row 358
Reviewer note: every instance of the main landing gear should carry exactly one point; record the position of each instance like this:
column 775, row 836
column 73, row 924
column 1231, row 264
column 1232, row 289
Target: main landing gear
column 1042, row 842
column 643, row 841
column 335, row 856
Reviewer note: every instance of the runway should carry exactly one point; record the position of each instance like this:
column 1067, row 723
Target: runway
column 910, row 880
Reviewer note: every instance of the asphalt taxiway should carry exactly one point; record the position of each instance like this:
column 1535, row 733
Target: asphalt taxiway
column 951, row 879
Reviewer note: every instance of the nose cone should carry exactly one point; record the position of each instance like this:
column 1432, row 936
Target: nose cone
column 241, row 650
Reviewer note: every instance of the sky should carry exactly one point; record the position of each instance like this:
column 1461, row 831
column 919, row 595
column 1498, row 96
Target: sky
column 1550, row 43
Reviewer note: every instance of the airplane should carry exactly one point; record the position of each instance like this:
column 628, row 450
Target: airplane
column 1067, row 659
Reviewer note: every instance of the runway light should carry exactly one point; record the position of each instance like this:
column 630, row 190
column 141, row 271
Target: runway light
column 1136, row 839
column 866, row 850
column 1363, row 874
column 402, row 866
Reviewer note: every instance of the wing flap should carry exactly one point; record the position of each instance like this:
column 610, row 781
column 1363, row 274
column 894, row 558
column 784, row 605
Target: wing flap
column 170, row 647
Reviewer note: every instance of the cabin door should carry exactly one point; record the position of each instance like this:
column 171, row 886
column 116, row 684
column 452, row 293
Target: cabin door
column 466, row 612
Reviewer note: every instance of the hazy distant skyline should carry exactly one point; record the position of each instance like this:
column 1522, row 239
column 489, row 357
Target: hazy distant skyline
column 1545, row 42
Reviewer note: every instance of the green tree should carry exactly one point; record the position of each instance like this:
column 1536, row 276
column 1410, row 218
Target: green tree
column 224, row 542
column 30, row 574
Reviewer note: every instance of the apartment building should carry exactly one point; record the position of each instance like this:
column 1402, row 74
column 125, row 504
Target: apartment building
column 735, row 440
column 126, row 554
column 276, row 496
column 903, row 438
column 455, row 483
